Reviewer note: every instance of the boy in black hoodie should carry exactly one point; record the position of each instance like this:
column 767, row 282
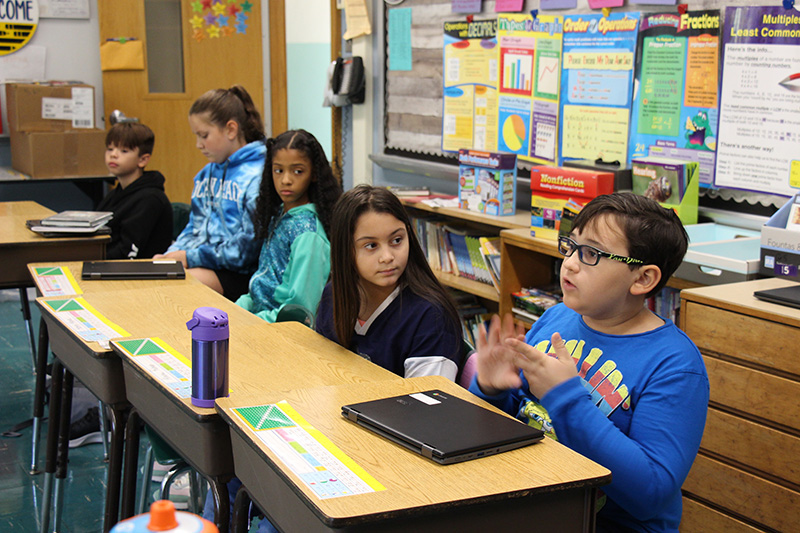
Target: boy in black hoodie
column 142, row 223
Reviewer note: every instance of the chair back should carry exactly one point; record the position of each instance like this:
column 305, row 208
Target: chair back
column 180, row 217
column 468, row 371
column 295, row 313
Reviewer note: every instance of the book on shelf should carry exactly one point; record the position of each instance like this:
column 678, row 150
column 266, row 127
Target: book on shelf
column 78, row 219
column 489, row 247
column 793, row 222
column 524, row 315
column 409, row 191
column 663, row 179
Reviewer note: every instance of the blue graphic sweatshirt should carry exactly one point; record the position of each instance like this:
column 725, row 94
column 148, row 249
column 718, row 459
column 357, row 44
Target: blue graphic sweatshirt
column 637, row 407
column 220, row 232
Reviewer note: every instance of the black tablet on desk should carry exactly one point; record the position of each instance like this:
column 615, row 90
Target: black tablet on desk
column 784, row 296
column 441, row 427
column 158, row 269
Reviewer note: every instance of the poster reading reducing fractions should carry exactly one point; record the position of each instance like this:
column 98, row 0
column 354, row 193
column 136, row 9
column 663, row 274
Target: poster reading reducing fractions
column 759, row 126
column 596, row 85
column 469, row 117
column 529, row 61
column 676, row 89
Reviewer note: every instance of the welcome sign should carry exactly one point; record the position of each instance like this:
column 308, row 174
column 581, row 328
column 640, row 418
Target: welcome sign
column 18, row 21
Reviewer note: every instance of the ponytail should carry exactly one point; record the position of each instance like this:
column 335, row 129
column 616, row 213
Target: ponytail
column 236, row 104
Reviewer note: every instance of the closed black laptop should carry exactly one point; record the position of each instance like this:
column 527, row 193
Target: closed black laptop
column 441, row 427
column 784, row 296
column 133, row 270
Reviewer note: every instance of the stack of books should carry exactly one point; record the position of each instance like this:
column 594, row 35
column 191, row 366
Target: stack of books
column 529, row 304
column 72, row 222
column 409, row 192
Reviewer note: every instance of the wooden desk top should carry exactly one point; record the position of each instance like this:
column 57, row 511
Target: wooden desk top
column 738, row 297
column 412, row 482
column 273, row 356
column 90, row 286
column 13, row 231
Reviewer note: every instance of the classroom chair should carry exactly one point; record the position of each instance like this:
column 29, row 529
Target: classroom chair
column 180, row 217
column 468, row 370
column 159, row 450
column 295, row 313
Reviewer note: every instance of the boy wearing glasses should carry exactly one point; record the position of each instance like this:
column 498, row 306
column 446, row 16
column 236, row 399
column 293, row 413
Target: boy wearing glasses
column 602, row 373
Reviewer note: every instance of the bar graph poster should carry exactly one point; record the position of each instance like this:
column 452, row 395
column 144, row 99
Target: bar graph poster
column 529, row 58
column 469, row 114
column 597, row 85
column 759, row 135
column 676, row 89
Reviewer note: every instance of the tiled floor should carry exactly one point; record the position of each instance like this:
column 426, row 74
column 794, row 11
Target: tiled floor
column 21, row 492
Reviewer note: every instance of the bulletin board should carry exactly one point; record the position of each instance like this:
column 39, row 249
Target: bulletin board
column 413, row 117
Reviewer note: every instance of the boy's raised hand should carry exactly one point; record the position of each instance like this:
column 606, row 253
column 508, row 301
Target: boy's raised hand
column 542, row 370
column 496, row 367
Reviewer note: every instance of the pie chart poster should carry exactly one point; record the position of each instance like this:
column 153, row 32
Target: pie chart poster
column 515, row 121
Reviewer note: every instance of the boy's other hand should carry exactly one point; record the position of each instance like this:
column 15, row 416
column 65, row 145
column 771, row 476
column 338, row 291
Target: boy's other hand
column 544, row 370
column 496, row 368
column 177, row 255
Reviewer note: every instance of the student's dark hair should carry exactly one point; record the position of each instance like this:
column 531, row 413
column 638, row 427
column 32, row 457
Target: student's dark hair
column 347, row 295
column 323, row 191
column 235, row 103
column 131, row 135
column 655, row 234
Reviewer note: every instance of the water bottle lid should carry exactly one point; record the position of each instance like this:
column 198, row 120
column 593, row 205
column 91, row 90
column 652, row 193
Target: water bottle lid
column 208, row 324
column 162, row 516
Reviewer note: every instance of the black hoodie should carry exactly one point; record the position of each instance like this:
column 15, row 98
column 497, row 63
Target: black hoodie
column 142, row 223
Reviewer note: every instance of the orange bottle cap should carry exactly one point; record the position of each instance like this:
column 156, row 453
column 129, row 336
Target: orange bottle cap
column 162, row 516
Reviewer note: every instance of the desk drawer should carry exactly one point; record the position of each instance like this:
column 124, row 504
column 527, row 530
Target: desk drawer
column 747, row 338
column 748, row 443
column 742, row 493
column 762, row 396
column 698, row 517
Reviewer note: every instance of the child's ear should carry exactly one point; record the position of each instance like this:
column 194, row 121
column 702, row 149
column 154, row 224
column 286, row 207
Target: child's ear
column 648, row 276
column 143, row 160
column 232, row 129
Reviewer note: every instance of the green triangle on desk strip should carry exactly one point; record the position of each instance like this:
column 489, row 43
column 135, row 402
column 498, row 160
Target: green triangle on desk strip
column 141, row 347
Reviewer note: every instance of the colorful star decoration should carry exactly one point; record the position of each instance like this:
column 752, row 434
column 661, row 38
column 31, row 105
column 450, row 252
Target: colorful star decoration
column 214, row 19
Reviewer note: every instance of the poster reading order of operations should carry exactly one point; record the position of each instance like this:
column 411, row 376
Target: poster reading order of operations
column 759, row 124
column 596, row 85
column 530, row 73
column 469, row 118
column 676, row 89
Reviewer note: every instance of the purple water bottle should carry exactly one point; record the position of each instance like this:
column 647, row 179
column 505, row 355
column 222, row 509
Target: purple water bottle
column 209, row 327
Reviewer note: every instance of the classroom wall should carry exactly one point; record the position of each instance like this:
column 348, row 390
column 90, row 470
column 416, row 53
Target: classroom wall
column 308, row 53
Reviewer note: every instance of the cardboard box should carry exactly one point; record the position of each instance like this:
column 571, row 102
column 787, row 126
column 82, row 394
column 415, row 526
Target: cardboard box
column 51, row 106
column 49, row 154
column 780, row 247
column 487, row 182
column 553, row 187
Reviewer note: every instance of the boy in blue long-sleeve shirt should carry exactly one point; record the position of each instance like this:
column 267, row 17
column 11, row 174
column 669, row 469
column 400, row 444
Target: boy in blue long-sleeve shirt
column 602, row 373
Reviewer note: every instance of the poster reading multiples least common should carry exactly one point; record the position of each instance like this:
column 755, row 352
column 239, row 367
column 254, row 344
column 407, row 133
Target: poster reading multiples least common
column 759, row 124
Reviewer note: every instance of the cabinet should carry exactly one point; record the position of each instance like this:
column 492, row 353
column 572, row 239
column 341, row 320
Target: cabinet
column 747, row 474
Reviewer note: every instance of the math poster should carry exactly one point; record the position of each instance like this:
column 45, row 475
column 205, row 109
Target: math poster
column 597, row 85
column 759, row 134
column 676, row 89
column 529, row 61
column 469, row 114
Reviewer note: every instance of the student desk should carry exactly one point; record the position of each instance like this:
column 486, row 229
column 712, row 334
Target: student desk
column 20, row 246
column 545, row 484
column 97, row 368
column 286, row 355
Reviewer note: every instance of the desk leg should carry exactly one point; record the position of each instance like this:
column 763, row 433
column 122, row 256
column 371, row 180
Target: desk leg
column 114, row 466
column 222, row 503
column 38, row 394
column 26, row 315
column 130, row 466
column 52, row 443
column 62, row 457
column 240, row 522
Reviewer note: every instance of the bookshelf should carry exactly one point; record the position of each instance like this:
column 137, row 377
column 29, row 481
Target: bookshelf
column 526, row 261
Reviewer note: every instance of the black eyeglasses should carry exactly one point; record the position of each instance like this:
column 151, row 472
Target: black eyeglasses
column 589, row 255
